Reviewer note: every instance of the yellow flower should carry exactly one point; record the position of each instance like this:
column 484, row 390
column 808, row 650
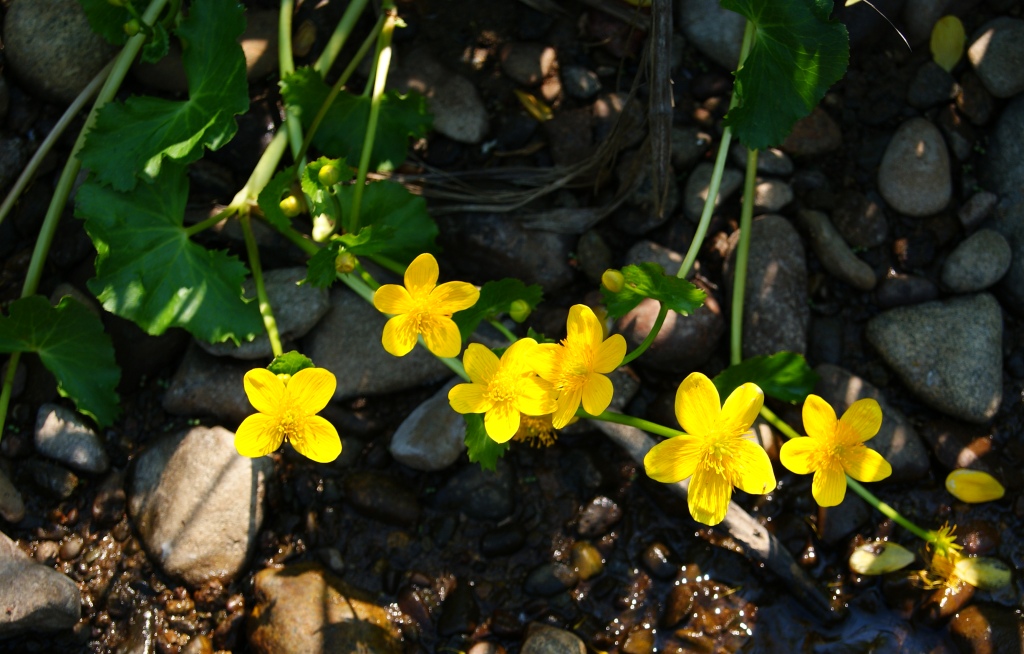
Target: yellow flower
column 835, row 448
column 576, row 367
column 423, row 307
column 717, row 450
column 287, row 409
column 502, row 389
column 973, row 486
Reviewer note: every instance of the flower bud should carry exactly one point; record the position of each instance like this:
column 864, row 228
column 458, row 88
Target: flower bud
column 879, row 558
column 132, row 27
column 613, row 280
column 345, row 262
column 329, row 175
column 519, row 310
column 973, row 486
column 290, row 206
column 984, row 572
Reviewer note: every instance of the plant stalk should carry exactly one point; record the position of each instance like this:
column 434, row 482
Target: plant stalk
column 651, row 335
column 739, row 283
column 266, row 311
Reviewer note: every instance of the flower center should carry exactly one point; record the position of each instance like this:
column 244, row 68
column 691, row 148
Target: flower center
column 289, row 423
column 504, row 386
column 577, row 365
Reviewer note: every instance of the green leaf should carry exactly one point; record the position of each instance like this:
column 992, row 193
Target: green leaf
column 796, row 55
column 269, row 198
column 290, row 363
column 320, row 270
column 482, row 448
column 649, row 280
column 147, row 269
column 784, row 376
column 402, row 228
column 495, row 299
column 107, row 20
column 135, row 137
column 72, row 345
column 318, row 195
column 343, row 128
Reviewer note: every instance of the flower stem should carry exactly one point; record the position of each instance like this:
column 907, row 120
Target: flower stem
column 261, row 292
column 286, row 66
column 651, row 335
column 387, row 263
column 213, row 220
column 639, row 423
column 512, row 338
column 739, row 284
column 337, row 41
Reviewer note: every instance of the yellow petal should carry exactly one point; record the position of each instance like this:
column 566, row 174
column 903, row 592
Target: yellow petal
column 609, row 354
column 984, row 572
column 947, row 42
column 318, row 441
column 421, row 275
column 469, row 398
column 546, row 360
column 673, row 459
column 697, row 404
column 708, row 496
column 312, row 389
column 453, row 296
column 799, row 454
column 399, row 337
column 518, row 358
column 393, row 299
column 741, row 408
column 864, row 464
column 501, row 422
column 536, row 397
column 568, row 401
column 258, row 436
column 863, row 420
column 481, row 364
column 829, row 486
column 879, row 558
column 597, row 393
column 264, row 389
column 751, row 468
column 819, row 418
column 973, row 486
column 583, row 326
column 442, row 337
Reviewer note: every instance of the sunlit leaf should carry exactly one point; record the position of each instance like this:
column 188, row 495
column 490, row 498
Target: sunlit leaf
column 482, row 448
column 649, row 280
column 783, row 375
column 290, row 363
column 947, row 43
column 496, row 298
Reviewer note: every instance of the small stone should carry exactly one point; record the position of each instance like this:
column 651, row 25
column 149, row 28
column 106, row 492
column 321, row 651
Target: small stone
column 931, row 85
column 198, row 504
column 688, row 146
column 480, row 494
column 459, row 112
column 593, row 254
column 833, row 252
column 920, row 17
column 109, row 504
column 62, row 435
column 715, row 31
column 974, row 100
column 549, row 579
column 861, row 221
column 543, row 639
column 949, row 354
column 977, row 208
column 813, row 135
column 977, row 263
column 303, row 608
column 432, row 437
column 959, row 133
column 586, row 560
column 71, row 547
column 208, row 385
column 527, row 63
column 771, row 195
column 985, row 628
column 1004, row 164
column 1010, row 223
column 51, row 478
column 34, row 597
column 683, row 343
column 903, row 290
column 651, row 252
column 598, row 517
column 997, row 57
column 697, row 187
column 914, row 176
column 297, row 308
column 771, row 161
column 580, row 83
column 657, row 558
column 12, row 506
column 381, row 497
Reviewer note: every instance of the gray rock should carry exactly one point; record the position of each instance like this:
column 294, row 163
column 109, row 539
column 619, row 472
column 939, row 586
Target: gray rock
column 638, row 215
column 580, row 83
column 13, row 155
column 775, row 313
column 300, row 609
column 716, row 32
column 49, row 45
column 977, row 208
column 550, row 579
column 897, row 440
column 527, row 63
column 833, row 252
column 914, row 176
column 381, row 497
column 1010, row 223
column 543, row 639
column 838, row 522
column 459, row 112
column 1003, row 167
column 62, row 435
column 347, row 342
column 649, row 251
column 616, row 111
column 696, row 191
column 973, row 99
column 997, row 56
column 297, row 307
column 433, row 436
column 772, row 161
column 813, row 135
column 480, row 494
column 570, row 136
column 900, row 290
column 920, row 17
column 977, row 263
column 949, row 354
column 34, row 597
column 12, row 507
column 598, row 516
column 688, row 146
column 931, row 85
column 771, row 195
column 593, row 254
column 198, row 504
column 861, row 221
column 208, row 385
column 683, row 343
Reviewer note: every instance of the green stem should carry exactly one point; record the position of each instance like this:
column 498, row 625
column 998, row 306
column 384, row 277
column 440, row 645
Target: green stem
column 261, row 292
column 639, row 423
column 387, row 263
column 209, row 222
column 739, row 284
column 651, row 335
column 286, row 66
column 512, row 338
column 383, row 59
column 337, row 41
column 8, row 389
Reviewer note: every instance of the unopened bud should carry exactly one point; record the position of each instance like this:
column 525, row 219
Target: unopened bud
column 329, row 175
column 132, row 27
column 519, row 310
column 613, row 280
column 290, row 206
column 345, row 262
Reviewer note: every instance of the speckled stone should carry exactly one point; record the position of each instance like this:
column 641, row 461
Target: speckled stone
column 834, row 253
column 914, row 176
column 977, row 263
column 997, row 56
